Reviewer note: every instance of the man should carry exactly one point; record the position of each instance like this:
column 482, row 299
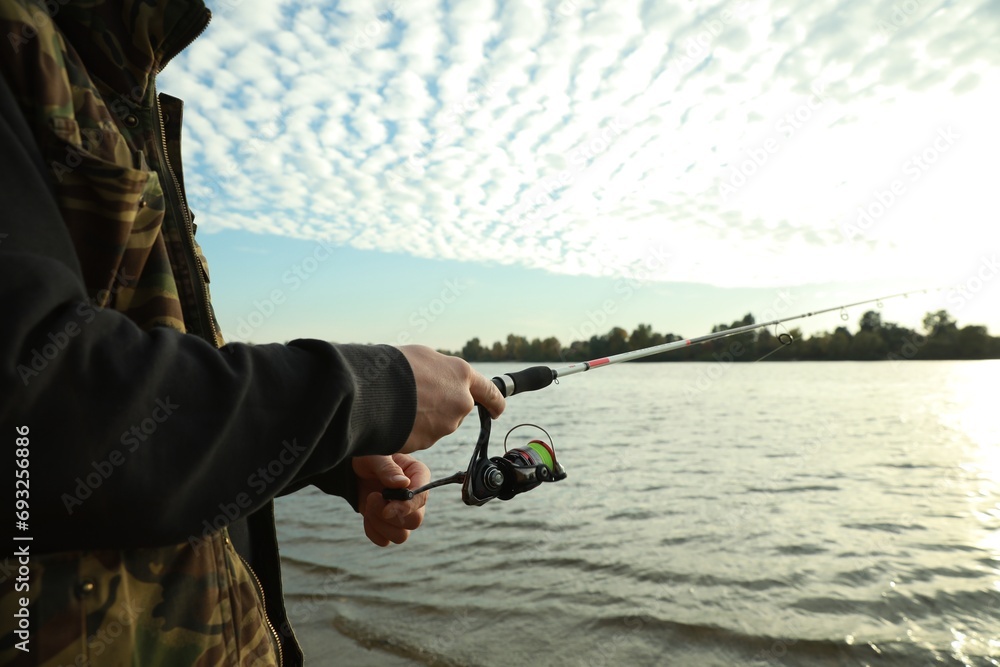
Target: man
column 153, row 450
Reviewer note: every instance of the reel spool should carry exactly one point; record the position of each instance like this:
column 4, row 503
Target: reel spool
column 518, row 470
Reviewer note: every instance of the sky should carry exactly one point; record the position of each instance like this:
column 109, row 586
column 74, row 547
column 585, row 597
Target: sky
column 429, row 172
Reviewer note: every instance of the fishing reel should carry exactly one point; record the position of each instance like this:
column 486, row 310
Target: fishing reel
column 518, row 470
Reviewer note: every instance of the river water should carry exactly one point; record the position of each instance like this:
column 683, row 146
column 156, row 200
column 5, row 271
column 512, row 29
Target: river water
column 714, row 514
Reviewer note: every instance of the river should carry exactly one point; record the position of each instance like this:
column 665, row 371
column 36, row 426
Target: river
column 797, row 513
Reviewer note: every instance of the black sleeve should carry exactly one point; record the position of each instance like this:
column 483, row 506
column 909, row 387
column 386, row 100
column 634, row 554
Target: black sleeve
column 142, row 438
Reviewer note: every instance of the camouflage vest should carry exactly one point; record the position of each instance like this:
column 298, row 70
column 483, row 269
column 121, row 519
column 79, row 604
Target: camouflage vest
column 84, row 74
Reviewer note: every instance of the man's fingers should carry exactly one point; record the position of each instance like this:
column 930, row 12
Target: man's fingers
column 387, row 522
column 384, row 469
column 382, row 530
column 393, row 534
column 485, row 392
column 418, row 473
column 390, row 473
column 376, row 537
column 447, row 390
column 408, row 514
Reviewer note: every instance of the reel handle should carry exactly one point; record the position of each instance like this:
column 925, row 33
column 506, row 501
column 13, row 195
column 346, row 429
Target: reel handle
column 400, row 494
column 408, row 494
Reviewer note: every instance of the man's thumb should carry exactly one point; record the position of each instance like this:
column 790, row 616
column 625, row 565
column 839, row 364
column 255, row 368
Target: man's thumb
column 390, row 474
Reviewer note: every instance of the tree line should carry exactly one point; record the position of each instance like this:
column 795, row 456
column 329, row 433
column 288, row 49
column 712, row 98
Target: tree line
column 873, row 340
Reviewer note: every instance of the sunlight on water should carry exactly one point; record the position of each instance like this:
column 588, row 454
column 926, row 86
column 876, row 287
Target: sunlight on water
column 973, row 390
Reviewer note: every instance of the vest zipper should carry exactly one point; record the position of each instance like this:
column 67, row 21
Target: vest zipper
column 263, row 602
column 204, row 310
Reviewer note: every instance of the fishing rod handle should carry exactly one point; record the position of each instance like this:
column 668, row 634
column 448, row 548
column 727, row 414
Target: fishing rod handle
column 530, row 379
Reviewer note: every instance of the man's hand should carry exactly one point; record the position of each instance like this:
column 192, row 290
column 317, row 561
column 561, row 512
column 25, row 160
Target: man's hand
column 447, row 390
column 392, row 520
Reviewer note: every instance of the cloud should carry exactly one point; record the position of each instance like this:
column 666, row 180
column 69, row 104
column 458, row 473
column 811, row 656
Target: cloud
column 744, row 136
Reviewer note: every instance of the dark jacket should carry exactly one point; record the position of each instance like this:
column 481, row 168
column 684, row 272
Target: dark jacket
column 154, row 451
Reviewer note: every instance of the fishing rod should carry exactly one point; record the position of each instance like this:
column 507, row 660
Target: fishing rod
column 524, row 468
column 539, row 377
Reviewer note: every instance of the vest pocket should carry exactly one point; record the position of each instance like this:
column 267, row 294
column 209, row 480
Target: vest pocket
column 113, row 209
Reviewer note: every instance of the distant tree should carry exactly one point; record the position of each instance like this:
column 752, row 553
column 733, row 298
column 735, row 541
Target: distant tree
column 766, row 340
column 871, row 321
column 473, row 351
column 598, row 346
column 642, row 337
column 578, row 350
column 973, row 343
column 840, row 344
column 551, row 349
column 875, row 339
column 517, row 347
column 895, row 336
column 617, row 341
column 867, row 346
column 939, row 324
column 942, row 335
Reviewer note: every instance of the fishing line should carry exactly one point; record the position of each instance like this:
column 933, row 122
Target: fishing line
column 784, row 340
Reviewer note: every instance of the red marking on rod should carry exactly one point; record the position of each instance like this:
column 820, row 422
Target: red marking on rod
column 687, row 342
column 597, row 362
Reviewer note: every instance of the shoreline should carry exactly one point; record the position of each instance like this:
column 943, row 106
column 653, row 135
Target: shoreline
column 326, row 644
